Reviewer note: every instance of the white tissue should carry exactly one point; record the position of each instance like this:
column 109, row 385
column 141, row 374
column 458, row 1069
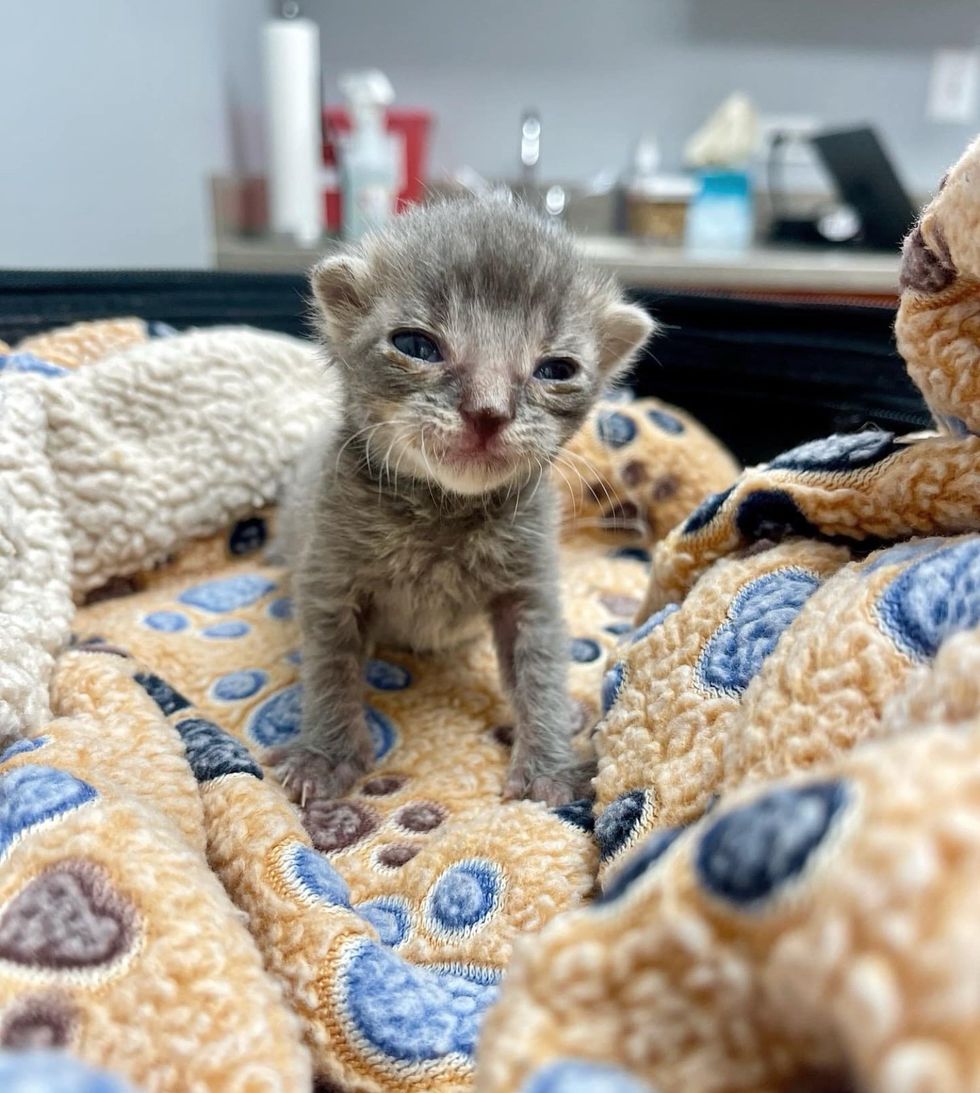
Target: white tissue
column 728, row 138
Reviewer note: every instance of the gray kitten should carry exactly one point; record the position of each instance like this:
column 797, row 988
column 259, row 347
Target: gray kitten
column 473, row 340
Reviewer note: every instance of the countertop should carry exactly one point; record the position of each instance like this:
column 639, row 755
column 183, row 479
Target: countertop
column 763, row 269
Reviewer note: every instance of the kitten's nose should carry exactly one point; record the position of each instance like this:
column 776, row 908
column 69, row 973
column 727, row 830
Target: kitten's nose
column 485, row 421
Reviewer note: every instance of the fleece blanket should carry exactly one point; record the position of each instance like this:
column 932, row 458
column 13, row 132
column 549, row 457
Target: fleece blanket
column 166, row 914
column 788, row 800
column 774, row 888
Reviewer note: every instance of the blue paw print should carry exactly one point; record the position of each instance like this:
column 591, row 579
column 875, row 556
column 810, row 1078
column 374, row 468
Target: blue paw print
column 644, row 857
column 385, row 676
column 706, row 511
column 53, row 1072
column 584, row 650
column 464, row 897
column 233, row 628
column 411, row 1014
column 30, row 795
column 22, row 747
column 277, row 720
column 658, row 618
column 27, row 362
column 576, row 814
column 933, row 599
column 239, row 685
column 633, row 554
column 247, row 536
column 382, row 730
column 903, row 552
column 615, row 429
column 281, row 609
column 668, row 422
column 580, row 1076
column 212, row 753
column 314, row 879
column 168, row 622
column 772, row 514
column 615, row 825
column 839, row 453
column 166, row 697
column 389, row 915
column 748, row 854
column 612, row 684
column 757, row 617
column 227, row 593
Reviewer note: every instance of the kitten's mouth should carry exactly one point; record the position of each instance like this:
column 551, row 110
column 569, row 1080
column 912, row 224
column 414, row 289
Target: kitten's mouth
column 478, row 457
column 473, row 467
column 473, row 454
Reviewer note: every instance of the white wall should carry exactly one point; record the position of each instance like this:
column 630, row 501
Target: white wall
column 114, row 112
column 110, row 122
column 602, row 71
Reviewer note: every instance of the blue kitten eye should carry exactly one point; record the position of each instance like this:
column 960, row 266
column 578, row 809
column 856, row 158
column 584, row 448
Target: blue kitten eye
column 416, row 344
column 555, row 370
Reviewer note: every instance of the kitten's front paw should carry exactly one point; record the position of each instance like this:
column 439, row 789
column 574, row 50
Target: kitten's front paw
column 557, row 787
column 308, row 774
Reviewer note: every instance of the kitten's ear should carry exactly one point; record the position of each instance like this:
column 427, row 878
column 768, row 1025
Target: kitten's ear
column 340, row 286
column 623, row 329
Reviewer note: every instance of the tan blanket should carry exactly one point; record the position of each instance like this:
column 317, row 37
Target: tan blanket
column 165, row 913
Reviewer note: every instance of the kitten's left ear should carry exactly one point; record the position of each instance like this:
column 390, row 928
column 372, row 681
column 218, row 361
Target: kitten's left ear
column 623, row 329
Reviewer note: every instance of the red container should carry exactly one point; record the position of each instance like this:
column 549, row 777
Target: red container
column 410, row 127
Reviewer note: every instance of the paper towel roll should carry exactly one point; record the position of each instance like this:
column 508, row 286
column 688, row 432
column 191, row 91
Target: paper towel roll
column 291, row 49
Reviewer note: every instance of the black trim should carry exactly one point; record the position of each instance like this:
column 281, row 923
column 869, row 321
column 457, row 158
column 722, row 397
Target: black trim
column 763, row 375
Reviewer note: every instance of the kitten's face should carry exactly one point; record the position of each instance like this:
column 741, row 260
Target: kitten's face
column 475, row 343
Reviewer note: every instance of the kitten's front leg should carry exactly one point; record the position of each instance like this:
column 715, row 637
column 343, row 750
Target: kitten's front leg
column 334, row 746
column 533, row 656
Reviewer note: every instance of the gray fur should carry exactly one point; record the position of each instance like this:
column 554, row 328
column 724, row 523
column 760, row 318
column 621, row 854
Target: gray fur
column 402, row 533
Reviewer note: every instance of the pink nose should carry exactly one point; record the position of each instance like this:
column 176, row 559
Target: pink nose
column 486, row 423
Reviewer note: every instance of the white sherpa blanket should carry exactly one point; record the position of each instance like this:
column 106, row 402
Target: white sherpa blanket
column 105, row 471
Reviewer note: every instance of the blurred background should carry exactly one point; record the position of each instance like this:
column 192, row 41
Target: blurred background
column 748, row 168
column 142, row 135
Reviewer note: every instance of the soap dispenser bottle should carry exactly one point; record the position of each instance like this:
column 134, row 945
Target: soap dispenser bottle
column 368, row 159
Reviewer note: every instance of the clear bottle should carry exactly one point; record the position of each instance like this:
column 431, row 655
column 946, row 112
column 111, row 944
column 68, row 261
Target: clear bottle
column 368, row 156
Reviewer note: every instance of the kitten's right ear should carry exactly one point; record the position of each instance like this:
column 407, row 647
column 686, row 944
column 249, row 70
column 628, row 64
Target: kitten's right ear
column 340, row 286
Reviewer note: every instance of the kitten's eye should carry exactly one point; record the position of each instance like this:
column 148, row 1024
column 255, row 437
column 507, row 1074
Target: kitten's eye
column 416, row 344
column 555, row 370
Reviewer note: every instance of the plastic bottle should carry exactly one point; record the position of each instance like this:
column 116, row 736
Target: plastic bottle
column 368, row 155
column 720, row 219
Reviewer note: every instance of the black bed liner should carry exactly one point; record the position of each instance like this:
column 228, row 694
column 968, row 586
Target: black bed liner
column 763, row 374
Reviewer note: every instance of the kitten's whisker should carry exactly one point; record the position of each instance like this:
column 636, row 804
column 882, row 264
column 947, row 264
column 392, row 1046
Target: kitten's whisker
column 517, row 502
column 575, row 499
column 541, row 469
column 568, row 486
column 351, row 439
column 428, row 467
column 597, row 478
column 387, row 467
column 398, row 462
column 625, row 527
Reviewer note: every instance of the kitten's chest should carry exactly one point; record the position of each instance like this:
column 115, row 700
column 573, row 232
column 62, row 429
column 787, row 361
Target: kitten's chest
column 433, row 585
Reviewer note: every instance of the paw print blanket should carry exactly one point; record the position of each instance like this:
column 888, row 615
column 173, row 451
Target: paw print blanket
column 166, row 915
column 787, row 813
column 774, row 888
